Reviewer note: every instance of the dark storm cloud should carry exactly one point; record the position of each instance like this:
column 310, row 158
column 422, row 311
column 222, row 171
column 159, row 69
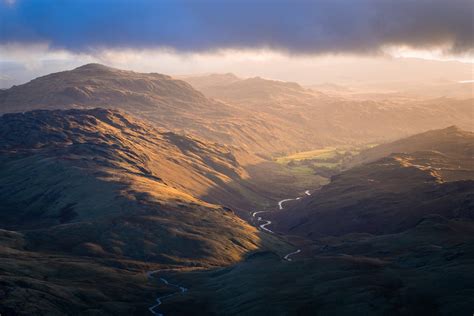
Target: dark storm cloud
column 294, row 26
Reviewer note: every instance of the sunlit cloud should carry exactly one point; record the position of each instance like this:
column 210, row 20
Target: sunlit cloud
column 435, row 53
column 20, row 63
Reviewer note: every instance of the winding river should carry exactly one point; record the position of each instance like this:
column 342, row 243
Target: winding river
column 159, row 299
column 267, row 222
column 181, row 290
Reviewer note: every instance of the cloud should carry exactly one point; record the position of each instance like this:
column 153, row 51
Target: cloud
column 291, row 26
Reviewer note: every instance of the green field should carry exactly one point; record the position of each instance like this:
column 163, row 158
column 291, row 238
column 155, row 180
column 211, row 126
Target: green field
column 324, row 161
column 325, row 153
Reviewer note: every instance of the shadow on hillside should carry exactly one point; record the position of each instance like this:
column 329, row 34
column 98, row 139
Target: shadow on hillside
column 417, row 272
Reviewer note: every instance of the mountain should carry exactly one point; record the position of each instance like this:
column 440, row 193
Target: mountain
column 251, row 90
column 98, row 198
column 168, row 103
column 210, row 81
column 434, row 175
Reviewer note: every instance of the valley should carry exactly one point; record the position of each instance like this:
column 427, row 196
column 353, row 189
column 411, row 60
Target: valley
column 426, row 255
column 251, row 197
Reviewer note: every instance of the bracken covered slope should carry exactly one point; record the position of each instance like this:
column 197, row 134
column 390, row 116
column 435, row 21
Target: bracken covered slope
column 76, row 166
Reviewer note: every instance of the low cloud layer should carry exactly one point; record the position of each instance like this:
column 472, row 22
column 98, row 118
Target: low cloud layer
column 299, row 27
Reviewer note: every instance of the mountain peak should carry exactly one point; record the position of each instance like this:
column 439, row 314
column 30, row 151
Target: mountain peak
column 95, row 66
column 453, row 128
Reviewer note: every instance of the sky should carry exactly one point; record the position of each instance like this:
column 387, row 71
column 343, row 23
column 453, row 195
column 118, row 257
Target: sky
column 283, row 39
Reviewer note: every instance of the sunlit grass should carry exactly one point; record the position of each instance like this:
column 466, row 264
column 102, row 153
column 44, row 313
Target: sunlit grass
column 324, row 153
column 329, row 158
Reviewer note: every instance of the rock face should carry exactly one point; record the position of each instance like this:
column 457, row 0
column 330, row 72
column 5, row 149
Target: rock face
column 394, row 193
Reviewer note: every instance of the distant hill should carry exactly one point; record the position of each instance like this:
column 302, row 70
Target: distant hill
column 434, row 174
column 231, row 88
column 314, row 117
column 210, row 81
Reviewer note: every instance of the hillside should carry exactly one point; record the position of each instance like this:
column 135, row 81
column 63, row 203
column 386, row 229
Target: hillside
column 451, row 140
column 97, row 165
column 425, row 270
column 103, row 197
column 113, row 139
column 394, row 193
